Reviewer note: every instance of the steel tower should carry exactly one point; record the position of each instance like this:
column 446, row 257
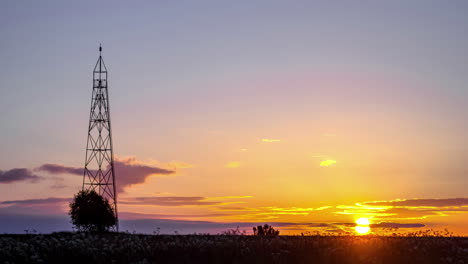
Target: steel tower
column 99, row 172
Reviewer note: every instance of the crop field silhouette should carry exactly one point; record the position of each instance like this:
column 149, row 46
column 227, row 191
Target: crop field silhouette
column 135, row 248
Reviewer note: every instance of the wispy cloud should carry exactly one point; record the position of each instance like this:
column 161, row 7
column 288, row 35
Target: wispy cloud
column 327, row 163
column 396, row 225
column 59, row 169
column 406, row 209
column 233, row 164
column 422, row 202
column 50, row 200
column 178, row 164
column 17, row 175
column 229, row 197
column 267, row 212
column 173, row 201
column 269, row 140
column 169, row 201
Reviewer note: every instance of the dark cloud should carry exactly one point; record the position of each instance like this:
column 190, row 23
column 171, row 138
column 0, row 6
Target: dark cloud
column 127, row 172
column 50, row 200
column 423, row 202
column 162, row 201
column 40, row 207
column 59, row 169
column 170, row 201
column 318, row 225
column 396, row 225
column 59, row 186
column 16, row 175
column 131, row 215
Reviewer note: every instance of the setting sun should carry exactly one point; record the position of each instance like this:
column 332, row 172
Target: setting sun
column 363, row 221
column 362, row 226
column 362, row 230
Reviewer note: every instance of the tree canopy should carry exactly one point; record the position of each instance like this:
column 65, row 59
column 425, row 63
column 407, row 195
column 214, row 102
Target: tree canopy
column 90, row 212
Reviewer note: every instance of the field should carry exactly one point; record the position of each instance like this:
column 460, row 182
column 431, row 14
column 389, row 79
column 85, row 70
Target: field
column 134, row 248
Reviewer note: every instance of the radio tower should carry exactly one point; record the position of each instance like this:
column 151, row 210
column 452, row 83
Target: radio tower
column 99, row 172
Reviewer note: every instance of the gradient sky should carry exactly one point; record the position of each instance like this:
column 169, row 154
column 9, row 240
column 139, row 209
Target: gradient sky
column 298, row 113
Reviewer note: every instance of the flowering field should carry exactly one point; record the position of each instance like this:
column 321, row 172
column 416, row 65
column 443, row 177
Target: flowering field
column 133, row 248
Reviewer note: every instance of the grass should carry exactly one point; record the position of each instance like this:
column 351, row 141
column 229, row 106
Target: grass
column 134, row 248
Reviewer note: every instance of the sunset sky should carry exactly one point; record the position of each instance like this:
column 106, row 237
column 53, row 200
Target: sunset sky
column 305, row 114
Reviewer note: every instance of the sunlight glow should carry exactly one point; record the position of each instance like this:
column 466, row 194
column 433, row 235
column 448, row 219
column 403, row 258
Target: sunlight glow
column 327, row 163
column 362, row 226
column 363, row 221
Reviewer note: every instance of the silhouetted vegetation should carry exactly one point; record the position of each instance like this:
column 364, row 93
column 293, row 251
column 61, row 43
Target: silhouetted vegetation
column 234, row 232
column 265, row 230
column 119, row 248
column 90, row 212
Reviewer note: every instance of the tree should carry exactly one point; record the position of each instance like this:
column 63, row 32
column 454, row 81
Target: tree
column 90, row 212
column 265, row 230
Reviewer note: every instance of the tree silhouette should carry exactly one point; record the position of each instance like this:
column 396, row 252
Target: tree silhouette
column 265, row 230
column 90, row 212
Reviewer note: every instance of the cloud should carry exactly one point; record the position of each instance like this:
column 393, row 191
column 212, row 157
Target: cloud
column 269, row 140
column 17, row 175
column 233, row 164
column 169, row 201
column 50, row 200
column 229, row 197
column 400, row 209
column 60, row 169
column 45, row 207
column 268, row 213
column 181, row 200
column 128, row 171
column 396, row 225
column 149, row 200
column 133, row 215
column 450, row 202
column 181, row 165
column 327, row 163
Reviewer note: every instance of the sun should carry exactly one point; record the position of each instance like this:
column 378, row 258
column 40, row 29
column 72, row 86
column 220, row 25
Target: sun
column 362, row 226
column 363, row 221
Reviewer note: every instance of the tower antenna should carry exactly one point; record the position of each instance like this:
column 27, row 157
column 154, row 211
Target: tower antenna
column 99, row 174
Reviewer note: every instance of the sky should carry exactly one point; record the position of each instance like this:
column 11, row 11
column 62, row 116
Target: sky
column 304, row 114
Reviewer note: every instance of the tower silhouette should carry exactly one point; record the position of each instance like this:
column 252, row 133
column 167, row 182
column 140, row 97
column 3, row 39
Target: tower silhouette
column 99, row 172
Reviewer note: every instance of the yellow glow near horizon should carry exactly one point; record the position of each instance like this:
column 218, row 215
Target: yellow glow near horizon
column 327, row 163
column 362, row 226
